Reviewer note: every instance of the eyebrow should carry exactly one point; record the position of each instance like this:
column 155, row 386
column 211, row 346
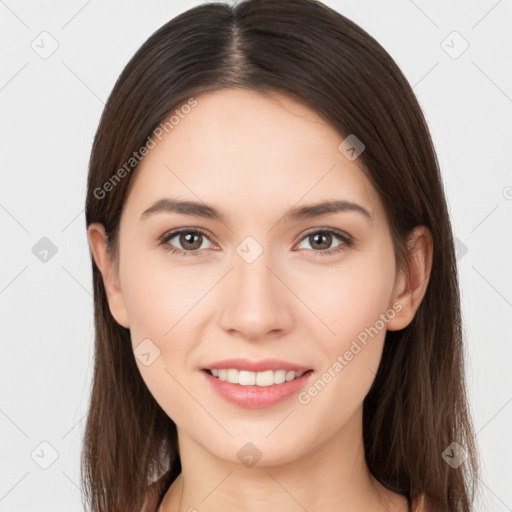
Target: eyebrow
column 199, row 209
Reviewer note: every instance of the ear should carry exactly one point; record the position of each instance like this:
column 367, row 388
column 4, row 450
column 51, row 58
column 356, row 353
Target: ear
column 103, row 260
column 411, row 285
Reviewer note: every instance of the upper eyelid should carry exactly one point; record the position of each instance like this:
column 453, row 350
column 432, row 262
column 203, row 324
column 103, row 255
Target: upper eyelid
column 174, row 232
column 338, row 232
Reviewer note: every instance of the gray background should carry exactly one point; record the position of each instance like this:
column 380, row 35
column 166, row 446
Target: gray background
column 50, row 108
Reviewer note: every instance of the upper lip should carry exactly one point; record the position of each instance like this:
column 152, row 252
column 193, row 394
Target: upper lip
column 256, row 366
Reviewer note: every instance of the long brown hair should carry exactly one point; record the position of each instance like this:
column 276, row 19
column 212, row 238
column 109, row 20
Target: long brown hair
column 417, row 406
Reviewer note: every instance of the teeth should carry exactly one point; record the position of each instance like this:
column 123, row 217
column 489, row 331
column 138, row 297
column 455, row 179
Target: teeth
column 245, row 378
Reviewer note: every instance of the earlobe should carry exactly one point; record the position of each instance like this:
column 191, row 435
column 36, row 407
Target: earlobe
column 98, row 244
column 412, row 284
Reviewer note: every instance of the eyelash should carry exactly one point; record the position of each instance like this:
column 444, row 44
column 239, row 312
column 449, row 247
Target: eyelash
column 347, row 241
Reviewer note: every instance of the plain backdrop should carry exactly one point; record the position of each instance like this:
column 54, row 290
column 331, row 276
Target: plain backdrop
column 59, row 61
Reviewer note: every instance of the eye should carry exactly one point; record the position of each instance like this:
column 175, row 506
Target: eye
column 190, row 239
column 323, row 238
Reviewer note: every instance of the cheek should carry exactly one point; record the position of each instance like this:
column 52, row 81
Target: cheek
column 352, row 302
column 163, row 303
column 158, row 296
column 348, row 297
column 160, row 301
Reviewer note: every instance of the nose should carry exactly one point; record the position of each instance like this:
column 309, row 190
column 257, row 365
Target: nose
column 255, row 302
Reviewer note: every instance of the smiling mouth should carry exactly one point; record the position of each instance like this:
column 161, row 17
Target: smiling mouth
column 248, row 378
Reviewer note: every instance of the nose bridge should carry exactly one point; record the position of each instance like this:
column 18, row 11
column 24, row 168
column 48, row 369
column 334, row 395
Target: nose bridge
column 255, row 301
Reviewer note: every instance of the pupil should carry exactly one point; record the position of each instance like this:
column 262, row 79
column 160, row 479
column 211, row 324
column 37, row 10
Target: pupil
column 189, row 239
column 318, row 239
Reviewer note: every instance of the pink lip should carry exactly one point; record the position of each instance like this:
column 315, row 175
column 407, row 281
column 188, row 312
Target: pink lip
column 256, row 366
column 256, row 397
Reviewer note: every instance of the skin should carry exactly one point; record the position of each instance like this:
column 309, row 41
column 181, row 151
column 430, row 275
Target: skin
column 255, row 156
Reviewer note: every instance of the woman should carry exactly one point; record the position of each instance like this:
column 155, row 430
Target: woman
column 276, row 297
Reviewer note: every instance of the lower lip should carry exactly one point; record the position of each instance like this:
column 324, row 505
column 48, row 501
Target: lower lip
column 257, row 397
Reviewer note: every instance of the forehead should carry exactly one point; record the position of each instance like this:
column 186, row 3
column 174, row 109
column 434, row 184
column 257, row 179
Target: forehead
column 248, row 151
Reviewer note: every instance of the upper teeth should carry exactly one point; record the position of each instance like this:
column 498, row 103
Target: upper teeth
column 246, row 378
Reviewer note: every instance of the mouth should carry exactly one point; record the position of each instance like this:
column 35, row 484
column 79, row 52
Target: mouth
column 256, row 384
column 250, row 378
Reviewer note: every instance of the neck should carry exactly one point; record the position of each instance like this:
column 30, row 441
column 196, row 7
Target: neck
column 333, row 477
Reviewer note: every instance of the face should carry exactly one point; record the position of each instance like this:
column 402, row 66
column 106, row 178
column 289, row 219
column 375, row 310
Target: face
column 315, row 290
